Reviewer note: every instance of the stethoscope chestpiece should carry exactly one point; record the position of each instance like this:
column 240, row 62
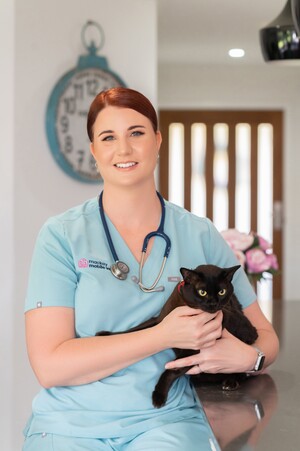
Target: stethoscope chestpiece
column 119, row 270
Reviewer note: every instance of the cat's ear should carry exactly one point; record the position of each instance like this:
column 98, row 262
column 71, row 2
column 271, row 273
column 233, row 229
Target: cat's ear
column 187, row 274
column 231, row 271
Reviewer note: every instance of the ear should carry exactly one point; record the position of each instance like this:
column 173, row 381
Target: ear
column 158, row 140
column 187, row 274
column 231, row 271
column 92, row 149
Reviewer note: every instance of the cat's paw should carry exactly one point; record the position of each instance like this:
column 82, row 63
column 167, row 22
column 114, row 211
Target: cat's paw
column 158, row 400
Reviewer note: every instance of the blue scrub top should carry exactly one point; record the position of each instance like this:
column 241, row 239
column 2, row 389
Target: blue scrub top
column 71, row 268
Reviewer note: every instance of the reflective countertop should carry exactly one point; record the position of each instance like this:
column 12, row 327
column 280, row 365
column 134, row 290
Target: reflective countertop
column 264, row 413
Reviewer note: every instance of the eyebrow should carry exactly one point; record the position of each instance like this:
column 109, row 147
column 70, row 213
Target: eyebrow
column 105, row 131
column 132, row 127
column 136, row 126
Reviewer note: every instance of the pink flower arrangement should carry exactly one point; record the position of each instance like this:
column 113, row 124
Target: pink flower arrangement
column 254, row 253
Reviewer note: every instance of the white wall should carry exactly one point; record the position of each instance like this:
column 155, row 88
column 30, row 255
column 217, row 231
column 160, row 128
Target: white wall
column 47, row 38
column 6, row 216
column 249, row 87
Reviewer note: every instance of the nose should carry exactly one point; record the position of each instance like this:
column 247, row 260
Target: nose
column 124, row 147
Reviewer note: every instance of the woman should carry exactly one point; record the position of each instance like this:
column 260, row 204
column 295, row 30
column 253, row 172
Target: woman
column 97, row 389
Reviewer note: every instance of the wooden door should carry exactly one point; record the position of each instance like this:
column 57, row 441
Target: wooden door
column 254, row 123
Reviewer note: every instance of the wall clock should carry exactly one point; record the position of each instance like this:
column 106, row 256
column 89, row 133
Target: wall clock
column 68, row 106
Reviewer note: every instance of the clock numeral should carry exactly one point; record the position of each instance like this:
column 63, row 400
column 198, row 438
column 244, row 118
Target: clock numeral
column 68, row 144
column 78, row 91
column 80, row 158
column 92, row 87
column 64, row 122
column 70, row 105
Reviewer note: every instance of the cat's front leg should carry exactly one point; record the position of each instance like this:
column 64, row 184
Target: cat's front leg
column 240, row 326
column 146, row 324
column 160, row 393
column 103, row 333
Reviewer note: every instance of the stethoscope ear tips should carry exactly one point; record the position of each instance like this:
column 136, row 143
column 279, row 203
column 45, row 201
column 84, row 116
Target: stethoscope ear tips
column 136, row 280
column 161, row 288
column 151, row 290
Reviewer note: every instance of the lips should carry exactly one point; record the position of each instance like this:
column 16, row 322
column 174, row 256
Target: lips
column 129, row 164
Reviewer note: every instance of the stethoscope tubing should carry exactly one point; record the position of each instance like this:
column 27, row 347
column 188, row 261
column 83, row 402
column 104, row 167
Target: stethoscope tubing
column 159, row 232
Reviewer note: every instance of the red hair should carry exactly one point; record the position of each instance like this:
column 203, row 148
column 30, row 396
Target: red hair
column 123, row 98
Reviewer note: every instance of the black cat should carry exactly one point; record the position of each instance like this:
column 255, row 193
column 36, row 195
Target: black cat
column 208, row 288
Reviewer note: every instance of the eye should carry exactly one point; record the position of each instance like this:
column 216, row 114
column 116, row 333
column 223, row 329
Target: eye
column 137, row 133
column 108, row 138
column 202, row 292
column 222, row 292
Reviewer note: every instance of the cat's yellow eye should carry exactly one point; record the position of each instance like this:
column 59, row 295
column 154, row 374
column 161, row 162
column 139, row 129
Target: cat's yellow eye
column 202, row 292
column 222, row 292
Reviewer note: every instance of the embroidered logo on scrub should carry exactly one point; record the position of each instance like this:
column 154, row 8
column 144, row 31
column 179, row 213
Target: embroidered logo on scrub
column 85, row 263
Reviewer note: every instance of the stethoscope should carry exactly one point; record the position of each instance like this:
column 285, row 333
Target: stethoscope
column 120, row 269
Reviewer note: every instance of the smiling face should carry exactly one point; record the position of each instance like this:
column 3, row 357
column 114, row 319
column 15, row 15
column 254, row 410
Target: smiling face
column 125, row 146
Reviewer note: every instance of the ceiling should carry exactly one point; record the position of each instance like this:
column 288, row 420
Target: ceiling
column 202, row 31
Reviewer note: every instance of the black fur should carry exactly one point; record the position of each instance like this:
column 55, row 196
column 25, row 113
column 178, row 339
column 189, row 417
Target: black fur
column 208, row 288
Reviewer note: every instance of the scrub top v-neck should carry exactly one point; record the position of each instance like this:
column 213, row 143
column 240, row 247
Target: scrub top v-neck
column 150, row 268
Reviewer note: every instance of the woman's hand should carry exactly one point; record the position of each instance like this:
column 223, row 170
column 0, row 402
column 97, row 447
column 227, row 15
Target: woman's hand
column 188, row 328
column 226, row 355
column 229, row 354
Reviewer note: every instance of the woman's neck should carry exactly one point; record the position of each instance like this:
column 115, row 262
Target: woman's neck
column 132, row 206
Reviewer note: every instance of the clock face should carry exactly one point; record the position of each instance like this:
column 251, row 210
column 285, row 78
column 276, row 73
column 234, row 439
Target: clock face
column 66, row 120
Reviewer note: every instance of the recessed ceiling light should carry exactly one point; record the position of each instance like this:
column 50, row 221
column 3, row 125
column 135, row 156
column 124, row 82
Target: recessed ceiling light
column 236, row 53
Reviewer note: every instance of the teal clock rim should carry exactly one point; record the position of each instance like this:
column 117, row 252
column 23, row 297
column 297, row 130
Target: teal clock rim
column 51, row 110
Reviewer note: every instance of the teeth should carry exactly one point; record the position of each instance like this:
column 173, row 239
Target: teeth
column 125, row 165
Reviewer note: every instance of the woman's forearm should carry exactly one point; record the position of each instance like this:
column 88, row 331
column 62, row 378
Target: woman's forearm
column 59, row 358
column 83, row 360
